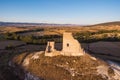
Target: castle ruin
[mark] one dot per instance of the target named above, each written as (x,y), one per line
(70,47)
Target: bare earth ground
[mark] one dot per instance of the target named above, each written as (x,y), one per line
(6,43)
(106,50)
(112,48)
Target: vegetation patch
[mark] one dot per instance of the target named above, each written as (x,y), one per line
(101,35)
(33,39)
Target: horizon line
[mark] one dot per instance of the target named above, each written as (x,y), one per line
(57,23)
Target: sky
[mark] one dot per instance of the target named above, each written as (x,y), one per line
(60,11)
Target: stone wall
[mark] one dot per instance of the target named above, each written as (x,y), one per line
(50,50)
(71,46)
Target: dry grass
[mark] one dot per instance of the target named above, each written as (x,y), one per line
(59,67)
(60,30)
(12,29)
(82,29)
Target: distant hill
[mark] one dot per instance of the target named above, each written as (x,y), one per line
(107,24)
(18,24)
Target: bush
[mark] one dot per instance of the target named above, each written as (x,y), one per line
(33,39)
(9,47)
(88,37)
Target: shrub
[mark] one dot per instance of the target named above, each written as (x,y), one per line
(9,47)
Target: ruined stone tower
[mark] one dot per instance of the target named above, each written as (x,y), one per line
(71,46)
(50,46)
(50,50)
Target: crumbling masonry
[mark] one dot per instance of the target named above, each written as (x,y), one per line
(71,47)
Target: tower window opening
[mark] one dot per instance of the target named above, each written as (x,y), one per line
(67,45)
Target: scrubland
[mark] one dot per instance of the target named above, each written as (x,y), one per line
(101,41)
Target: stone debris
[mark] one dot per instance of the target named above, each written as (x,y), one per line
(103,70)
(70,70)
(29,76)
(116,68)
(93,58)
(36,55)
(26,62)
